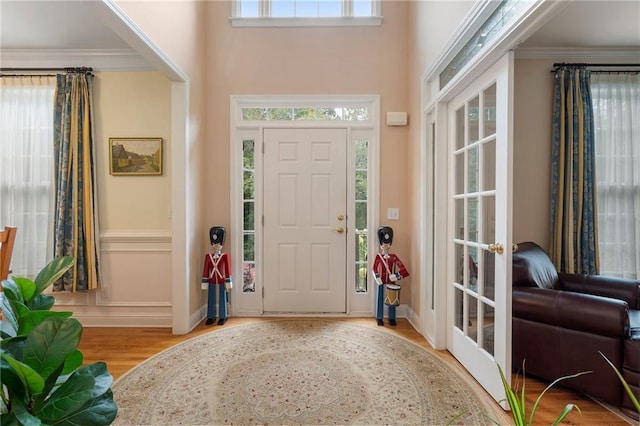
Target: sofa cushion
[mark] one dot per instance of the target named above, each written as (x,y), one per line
(533,268)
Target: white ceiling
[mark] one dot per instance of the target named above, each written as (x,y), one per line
(591,24)
(72,26)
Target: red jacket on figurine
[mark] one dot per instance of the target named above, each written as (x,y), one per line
(389,264)
(217,268)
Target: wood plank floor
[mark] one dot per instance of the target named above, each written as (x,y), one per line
(124,348)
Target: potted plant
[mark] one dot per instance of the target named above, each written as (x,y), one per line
(42,377)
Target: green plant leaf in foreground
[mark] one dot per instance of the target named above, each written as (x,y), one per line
(50,343)
(27,288)
(30,319)
(98,412)
(23,416)
(627,389)
(518,408)
(54,270)
(32,381)
(552,384)
(67,399)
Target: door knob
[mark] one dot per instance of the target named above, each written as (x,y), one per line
(339,229)
(496,248)
(340,217)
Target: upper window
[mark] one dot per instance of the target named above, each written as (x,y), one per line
(306,12)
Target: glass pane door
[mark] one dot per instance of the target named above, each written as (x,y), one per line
(479,269)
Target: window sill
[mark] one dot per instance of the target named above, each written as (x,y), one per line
(307,22)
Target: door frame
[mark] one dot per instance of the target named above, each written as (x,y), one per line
(434,99)
(367,127)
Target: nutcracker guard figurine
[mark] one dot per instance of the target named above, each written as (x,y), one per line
(216,275)
(388,269)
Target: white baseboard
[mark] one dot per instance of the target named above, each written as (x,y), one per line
(124,320)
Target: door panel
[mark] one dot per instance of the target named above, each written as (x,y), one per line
(480,196)
(304,241)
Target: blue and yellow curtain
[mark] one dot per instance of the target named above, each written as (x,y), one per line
(574,233)
(75,216)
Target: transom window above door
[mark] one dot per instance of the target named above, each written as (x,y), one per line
(276,13)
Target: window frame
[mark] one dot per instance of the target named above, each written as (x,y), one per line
(346,20)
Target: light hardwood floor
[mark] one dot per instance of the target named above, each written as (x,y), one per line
(124,348)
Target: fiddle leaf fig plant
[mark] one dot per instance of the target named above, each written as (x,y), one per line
(42,379)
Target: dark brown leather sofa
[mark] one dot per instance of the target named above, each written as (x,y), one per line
(561,321)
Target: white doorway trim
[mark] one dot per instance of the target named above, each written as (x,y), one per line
(366,126)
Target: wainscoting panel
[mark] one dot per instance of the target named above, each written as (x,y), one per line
(136,283)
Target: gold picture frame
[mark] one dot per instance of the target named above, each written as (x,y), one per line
(135,156)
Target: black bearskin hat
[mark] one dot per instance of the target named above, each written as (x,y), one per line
(217,234)
(385,235)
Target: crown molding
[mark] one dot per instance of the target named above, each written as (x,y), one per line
(98,59)
(572,52)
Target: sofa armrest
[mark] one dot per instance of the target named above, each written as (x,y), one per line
(582,312)
(600,285)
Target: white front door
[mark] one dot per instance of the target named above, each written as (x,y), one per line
(479,270)
(305,205)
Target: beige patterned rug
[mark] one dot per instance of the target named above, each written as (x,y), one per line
(297,371)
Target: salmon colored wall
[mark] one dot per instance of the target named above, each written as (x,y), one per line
(294,61)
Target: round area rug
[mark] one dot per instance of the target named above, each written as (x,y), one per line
(298,371)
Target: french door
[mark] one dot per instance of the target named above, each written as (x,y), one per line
(479,228)
(305,202)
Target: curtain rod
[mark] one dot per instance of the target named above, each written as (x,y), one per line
(558,65)
(86,70)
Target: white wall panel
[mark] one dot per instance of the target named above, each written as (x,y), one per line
(136,283)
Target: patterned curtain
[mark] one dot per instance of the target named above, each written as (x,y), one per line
(574,240)
(75,219)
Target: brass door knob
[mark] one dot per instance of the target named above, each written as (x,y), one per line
(496,248)
(339,230)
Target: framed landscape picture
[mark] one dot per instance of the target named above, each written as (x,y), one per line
(135,156)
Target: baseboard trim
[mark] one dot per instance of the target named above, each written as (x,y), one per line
(124,320)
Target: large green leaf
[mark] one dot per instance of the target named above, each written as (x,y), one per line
(97,412)
(67,399)
(72,362)
(9,419)
(50,343)
(27,288)
(6,330)
(32,381)
(8,313)
(23,415)
(15,387)
(54,270)
(42,302)
(11,290)
(103,379)
(50,383)
(30,319)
